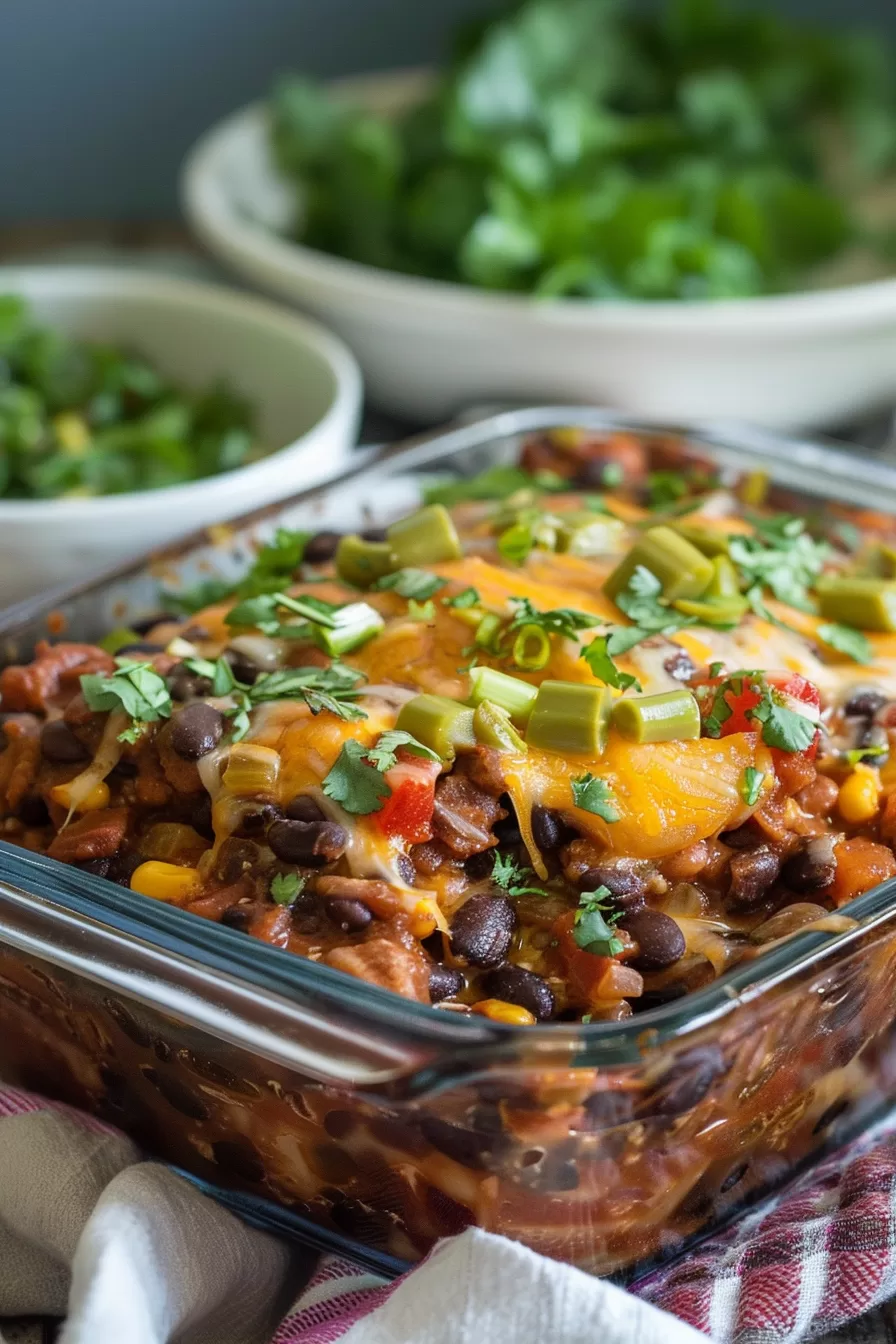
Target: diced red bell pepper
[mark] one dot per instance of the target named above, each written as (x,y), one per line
(407,812)
(802,697)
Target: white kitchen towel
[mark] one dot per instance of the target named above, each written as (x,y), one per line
(130,1253)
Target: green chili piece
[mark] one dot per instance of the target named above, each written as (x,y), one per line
(508,693)
(723,611)
(725,581)
(673,716)
(708,540)
(426,537)
(532,648)
(570,717)
(361,562)
(680,567)
(487,631)
(589,534)
(868,604)
(353,626)
(493,728)
(441,724)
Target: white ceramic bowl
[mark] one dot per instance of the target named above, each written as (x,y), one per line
(799,361)
(303,382)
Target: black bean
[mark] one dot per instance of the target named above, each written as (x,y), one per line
(479,866)
(147,623)
(470,1148)
(98,867)
(124,770)
(482,929)
(752,873)
(303,808)
(255,820)
(186,685)
(743,837)
(200,814)
(514,984)
(621,878)
(734,1177)
(349,915)
(321,547)
(134,1030)
(549,830)
(660,940)
(606,1110)
(177,1094)
(59,744)
(812,867)
(242,667)
(373,534)
(680,665)
(123,868)
(239,1158)
(686,1082)
(873,736)
(33,810)
(237,916)
(864,702)
(196,730)
(144,646)
(444,983)
(507,829)
(235,857)
(309,842)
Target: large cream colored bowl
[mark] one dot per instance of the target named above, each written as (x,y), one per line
(427,348)
(304,383)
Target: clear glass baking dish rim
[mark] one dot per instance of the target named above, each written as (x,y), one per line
(227,983)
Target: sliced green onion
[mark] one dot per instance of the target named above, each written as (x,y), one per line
(426,537)
(532,648)
(682,570)
(487,631)
(493,728)
(589,534)
(570,716)
(508,693)
(441,724)
(361,562)
(673,716)
(869,604)
(353,626)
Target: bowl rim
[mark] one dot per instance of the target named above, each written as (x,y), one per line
(217,220)
(102,282)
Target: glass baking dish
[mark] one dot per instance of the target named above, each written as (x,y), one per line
(364,1122)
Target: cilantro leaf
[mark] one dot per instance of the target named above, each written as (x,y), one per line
(383,756)
(846,639)
(512,877)
(286,888)
(133,687)
(411,583)
(354,783)
(190,600)
(599,656)
(665,487)
(276,564)
(593,927)
(498,482)
(782,727)
(640,601)
(781,557)
(563,621)
(751,785)
(516,543)
(469,597)
(331,688)
(595,795)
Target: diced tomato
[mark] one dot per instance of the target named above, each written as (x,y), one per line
(801,696)
(407,812)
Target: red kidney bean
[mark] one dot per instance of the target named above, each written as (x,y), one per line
(660,940)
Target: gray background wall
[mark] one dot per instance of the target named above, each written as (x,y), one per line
(99,99)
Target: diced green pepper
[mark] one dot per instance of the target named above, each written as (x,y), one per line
(493,728)
(361,562)
(352,626)
(508,693)
(709,540)
(570,717)
(868,604)
(441,724)
(680,567)
(673,716)
(427,537)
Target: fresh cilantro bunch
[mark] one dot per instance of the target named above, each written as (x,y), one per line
(136,688)
(598,149)
(595,921)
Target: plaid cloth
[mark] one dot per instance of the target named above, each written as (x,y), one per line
(128,1251)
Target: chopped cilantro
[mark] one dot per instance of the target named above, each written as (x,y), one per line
(595,795)
(720,710)
(716,669)
(751,785)
(600,652)
(782,557)
(513,877)
(383,756)
(354,783)
(593,927)
(411,583)
(782,727)
(564,621)
(494,483)
(191,600)
(133,687)
(846,639)
(469,597)
(286,888)
(665,487)
(640,600)
(276,564)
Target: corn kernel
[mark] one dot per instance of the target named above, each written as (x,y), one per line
(566,436)
(165,882)
(251,769)
(94,801)
(423,922)
(496,1010)
(72,433)
(859,796)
